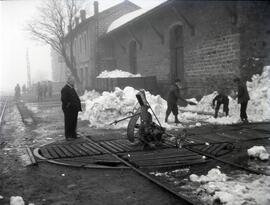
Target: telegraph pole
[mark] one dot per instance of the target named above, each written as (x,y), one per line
(28,70)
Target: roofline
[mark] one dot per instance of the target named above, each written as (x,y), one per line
(100,13)
(139,17)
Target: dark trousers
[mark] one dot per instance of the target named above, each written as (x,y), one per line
(70,123)
(243,113)
(225,108)
(172,107)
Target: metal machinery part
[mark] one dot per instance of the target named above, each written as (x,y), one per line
(142,127)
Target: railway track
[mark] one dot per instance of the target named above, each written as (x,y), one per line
(3,106)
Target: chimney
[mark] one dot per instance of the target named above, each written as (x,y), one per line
(96,8)
(82,15)
(77,21)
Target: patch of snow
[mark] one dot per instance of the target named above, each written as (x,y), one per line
(16,200)
(258,152)
(117,74)
(132,15)
(1,197)
(245,189)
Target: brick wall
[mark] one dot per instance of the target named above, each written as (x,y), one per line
(212,53)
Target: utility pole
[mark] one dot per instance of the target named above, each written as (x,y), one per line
(28,70)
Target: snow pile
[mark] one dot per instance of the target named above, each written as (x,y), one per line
(89,95)
(258,152)
(259,91)
(244,189)
(111,106)
(16,200)
(258,106)
(213,175)
(117,74)
(132,15)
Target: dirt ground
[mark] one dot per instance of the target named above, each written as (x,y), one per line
(48,184)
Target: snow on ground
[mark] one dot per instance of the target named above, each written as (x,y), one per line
(16,200)
(117,74)
(101,110)
(242,189)
(111,106)
(258,152)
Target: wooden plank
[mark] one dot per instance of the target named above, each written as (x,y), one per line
(64,150)
(216,151)
(45,153)
(168,163)
(73,152)
(77,149)
(31,156)
(97,147)
(87,146)
(85,149)
(159,156)
(213,147)
(108,147)
(122,145)
(115,147)
(174,165)
(52,152)
(58,151)
(171,158)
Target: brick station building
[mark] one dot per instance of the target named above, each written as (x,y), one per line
(204,43)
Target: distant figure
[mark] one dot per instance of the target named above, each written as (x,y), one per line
(17,91)
(39,91)
(221,99)
(24,89)
(71,105)
(49,85)
(243,98)
(173,96)
(44,89)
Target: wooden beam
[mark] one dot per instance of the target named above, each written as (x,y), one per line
(134,37)
(180,16)
(159,34)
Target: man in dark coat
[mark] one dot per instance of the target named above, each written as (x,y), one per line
(71,105)
(243,98)
(173,96)
(221,99)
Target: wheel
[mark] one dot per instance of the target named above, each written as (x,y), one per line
(134,126)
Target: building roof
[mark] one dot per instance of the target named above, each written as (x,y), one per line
(102,12)
(133,16)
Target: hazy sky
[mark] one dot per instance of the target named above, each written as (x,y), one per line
(14,41)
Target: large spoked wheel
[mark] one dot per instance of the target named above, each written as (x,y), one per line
(134,127)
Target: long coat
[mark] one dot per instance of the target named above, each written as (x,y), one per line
(71,105)
(70,99)
(243,95)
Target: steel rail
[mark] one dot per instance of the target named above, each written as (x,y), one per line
(226,161)
(184,199)
(3,111)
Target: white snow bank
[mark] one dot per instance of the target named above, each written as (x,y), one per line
(244,189)
(132,15)
(117,74)
(111,106)
(258,152)
(16,200)
(258,106)
(213,175)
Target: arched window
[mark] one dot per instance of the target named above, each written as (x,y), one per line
(176,53)
(133,57)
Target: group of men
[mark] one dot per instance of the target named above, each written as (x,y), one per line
(71,104)
(221,99)
(44,89)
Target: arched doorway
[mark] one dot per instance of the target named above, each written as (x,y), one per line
(176,53)
(133,57)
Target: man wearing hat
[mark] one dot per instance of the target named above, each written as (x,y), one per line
(71,105)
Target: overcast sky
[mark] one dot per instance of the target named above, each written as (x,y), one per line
(14,41)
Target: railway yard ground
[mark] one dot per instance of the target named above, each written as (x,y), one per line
(102,168)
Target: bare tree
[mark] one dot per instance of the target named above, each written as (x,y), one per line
(54,26)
